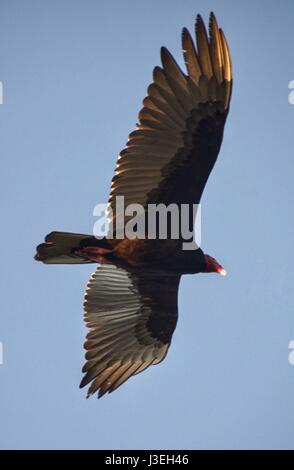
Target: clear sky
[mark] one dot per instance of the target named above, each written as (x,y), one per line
(74,75)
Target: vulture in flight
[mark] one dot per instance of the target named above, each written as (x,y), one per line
(131,299)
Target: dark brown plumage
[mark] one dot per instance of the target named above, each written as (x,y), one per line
(131,299)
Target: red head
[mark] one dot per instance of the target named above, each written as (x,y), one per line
(212,266)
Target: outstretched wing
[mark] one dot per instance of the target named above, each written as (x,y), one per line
(131,316)
(170,155)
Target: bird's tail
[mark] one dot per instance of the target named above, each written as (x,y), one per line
(69,248)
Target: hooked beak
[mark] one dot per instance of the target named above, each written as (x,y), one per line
(212,266)
(222,271)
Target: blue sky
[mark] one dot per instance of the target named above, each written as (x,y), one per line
(74,75)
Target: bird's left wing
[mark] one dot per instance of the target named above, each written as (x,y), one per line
(170,155)
(131,317)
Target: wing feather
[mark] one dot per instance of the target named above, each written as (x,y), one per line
(172,151)
(124,312)
(203,47)
(190,56)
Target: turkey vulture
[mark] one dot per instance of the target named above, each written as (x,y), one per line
(131,299)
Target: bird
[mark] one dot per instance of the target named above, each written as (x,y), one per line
(131,300)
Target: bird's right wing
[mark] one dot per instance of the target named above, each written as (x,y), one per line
(131,316)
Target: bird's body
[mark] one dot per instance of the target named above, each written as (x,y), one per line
(152,255)
(131,299)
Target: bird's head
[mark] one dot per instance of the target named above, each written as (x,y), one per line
(212,266)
